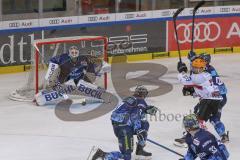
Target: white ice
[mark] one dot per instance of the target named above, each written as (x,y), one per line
(28,132)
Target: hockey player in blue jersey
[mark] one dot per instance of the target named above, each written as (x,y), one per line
(127,122)
(66,75)
(216,120)
(201,143)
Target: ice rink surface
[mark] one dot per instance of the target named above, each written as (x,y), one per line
(28,132)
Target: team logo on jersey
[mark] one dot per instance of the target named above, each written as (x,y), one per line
(75,73)
(196,142)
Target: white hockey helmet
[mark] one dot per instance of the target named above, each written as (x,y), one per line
(73,52)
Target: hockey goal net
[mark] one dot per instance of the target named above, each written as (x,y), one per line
(44,49)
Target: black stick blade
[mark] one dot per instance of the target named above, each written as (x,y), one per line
(177,13)
(200,4)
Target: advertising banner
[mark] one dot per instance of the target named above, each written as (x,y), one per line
(18,24)
(58,21)
(132,38)
(209,33)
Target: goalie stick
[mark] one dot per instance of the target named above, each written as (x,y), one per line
(176,33)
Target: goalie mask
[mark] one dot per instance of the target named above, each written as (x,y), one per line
(141,91)
(73,52)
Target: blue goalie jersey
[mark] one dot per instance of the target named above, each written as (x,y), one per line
(73,70)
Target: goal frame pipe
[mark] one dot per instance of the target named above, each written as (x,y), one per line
(105,59)
(37,53)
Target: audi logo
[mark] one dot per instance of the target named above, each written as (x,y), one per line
(129,16)
(92,19)
(226,10)
(54,21)
(14,24)
(203,32)
(166,13)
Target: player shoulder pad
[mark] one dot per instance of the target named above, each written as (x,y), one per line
(131,101)
(61,59)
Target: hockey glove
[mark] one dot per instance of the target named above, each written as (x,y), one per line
(152,110)
(181,67)
(188,91)
(141,136)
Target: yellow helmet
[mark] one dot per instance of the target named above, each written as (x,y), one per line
(199,63)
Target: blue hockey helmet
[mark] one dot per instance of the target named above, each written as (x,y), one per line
(190,122)
(206,57)
(141,91)
(191,55)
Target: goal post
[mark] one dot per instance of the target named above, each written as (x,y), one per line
(44,49)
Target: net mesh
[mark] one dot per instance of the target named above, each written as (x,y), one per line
(94,47)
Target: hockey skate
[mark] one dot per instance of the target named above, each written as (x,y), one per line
(141,154)
(96,154)
(225,137)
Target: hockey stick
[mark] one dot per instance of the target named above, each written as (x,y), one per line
(200,4)
(164,147)
(175,29)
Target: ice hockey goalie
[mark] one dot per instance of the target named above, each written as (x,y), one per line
(72,73)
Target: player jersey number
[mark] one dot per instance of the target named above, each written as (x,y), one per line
(218,81)
(187,78)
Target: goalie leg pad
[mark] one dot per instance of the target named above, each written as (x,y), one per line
(46,97)
(89,90)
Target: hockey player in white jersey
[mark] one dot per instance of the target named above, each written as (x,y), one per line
(66,75)
(200,84)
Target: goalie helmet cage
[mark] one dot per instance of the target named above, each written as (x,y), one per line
(44,49)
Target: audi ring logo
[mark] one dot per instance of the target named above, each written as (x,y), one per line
(14,24)
(54,21)
(204,32)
